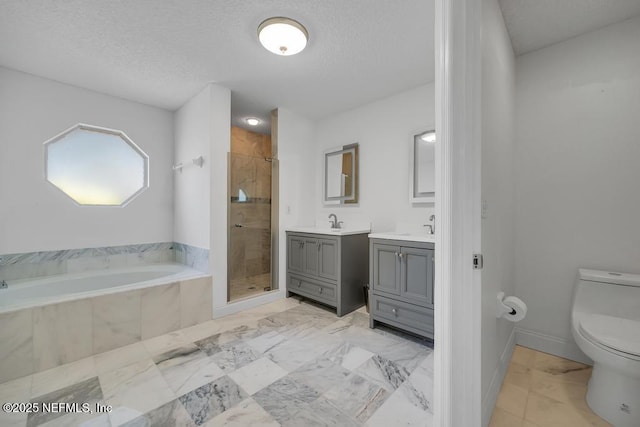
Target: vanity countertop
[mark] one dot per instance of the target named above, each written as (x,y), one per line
(330,231)
(409,237)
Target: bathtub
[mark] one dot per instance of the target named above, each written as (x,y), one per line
(67,287)
(50,321)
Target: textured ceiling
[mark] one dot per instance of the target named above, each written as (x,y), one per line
(534,24)
(162,52)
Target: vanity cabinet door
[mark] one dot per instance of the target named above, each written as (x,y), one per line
(311,256)
(416,275)
(328,263)
(295,253)
(386,268)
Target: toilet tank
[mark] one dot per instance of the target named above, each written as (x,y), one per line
(609,293)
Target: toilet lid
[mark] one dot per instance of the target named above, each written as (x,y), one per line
(614,332)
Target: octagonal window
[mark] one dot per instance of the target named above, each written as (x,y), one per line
(96,166)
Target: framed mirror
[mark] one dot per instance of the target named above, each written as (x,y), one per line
(341,175)
(422,169)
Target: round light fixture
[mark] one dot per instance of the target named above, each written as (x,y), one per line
(283,36)
(428,137)
(252,121)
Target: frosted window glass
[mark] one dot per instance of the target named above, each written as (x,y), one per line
(96,166)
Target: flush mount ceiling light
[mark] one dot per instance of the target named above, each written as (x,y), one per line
(252,121)
(283,36)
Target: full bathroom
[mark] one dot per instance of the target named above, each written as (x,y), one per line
(197,228)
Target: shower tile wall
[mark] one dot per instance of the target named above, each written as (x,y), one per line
(250,207)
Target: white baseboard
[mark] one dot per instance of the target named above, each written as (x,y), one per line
(237,306)
(553,345)
(489,400)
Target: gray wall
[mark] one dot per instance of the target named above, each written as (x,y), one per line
(578,172)
(498,74)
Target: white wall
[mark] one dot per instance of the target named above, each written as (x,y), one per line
(296,163)
(578,172)
(220,122)
(383,129)
(203,128)
(192,186)
(35,216)
(498,241)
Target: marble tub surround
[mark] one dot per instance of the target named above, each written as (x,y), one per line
(39,338)
(192,256)
(47,263)
(175,379)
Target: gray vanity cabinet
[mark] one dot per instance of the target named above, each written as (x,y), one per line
(328,269)
(401,289)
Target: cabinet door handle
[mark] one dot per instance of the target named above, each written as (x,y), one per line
(320,290)
(397,254)
(394,311)
(318,245)
(400,254)
(302,244)
(299,283)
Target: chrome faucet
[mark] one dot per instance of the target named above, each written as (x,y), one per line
(432,227)
(4,285)
(335,224)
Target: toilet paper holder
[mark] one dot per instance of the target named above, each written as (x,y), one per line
(503,308)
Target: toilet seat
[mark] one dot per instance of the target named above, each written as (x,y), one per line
(616,333)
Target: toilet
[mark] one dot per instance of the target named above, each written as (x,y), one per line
(605,322)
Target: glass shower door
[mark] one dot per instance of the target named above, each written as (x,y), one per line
(249,226)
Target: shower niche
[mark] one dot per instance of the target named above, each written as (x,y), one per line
(250,229)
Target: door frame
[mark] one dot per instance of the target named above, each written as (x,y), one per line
(457,293)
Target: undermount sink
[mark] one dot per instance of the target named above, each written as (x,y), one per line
(403,235)
(327,230)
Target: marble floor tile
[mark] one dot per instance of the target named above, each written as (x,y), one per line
(266,342)
(348,356)
(214,344)
(284,398)
(212,399)
(244,414)
(134,390)
(290,355)
(396,411)
(203,330)
(120,357)
(385,373)
(63,376)
(257,375)
(418,388)
(320,413)
(320,374)
(166,342)
(235,355)
(15,391)
(85,392)
(357,397)
(171,414)
(290,364)
(187,368)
